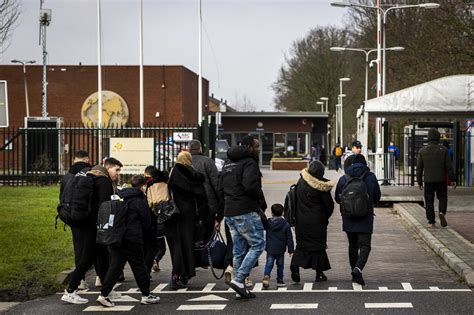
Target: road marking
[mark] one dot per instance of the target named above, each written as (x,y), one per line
(125,298)
(356,286)
(434,288)
(117,308)
(209,287)
(294,306)
(282,289)
(388,305)
(159,287)
(132,291)
(332,289)
(182,290)
(407,286)
(383,288)
(257,287)
(202,307)
(208,298)
(308,286)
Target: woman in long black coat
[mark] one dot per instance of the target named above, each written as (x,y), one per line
(313,209)
(187,186)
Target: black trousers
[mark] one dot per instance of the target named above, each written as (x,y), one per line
(133,253)
(83,239)
(161,249)
(102,261)
(441,190)
(359,249)
(154,250)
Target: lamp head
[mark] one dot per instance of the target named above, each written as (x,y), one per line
(340,4)
(345,79)
(429,5)
(337,48)
(397,48)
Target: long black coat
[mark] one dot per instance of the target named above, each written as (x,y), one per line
(313,210)
(187,186)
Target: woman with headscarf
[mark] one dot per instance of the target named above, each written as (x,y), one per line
(187,188)
(314,207)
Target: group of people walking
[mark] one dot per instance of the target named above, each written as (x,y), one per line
(205,199)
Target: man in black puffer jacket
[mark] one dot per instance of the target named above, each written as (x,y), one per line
(435,164)
(240,191)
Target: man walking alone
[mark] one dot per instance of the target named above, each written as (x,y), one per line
(435,164)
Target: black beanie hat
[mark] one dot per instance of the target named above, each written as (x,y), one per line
(316,169)
(359,158)
(433,134)
(348,161)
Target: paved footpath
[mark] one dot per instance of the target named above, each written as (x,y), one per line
(403,275)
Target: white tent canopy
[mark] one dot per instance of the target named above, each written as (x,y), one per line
(448,94)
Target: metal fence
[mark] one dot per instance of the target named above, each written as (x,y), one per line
(400,168)
(43,155)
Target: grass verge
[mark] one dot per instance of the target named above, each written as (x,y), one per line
(32,251)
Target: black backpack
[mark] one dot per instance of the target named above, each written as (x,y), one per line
(112,222)
(290,205)
(74,208)
(355,197)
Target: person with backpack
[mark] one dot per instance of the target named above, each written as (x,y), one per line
(80,164)
(314,207)
(278,239)
(356,193)
(88,192)
(129,249)
(433,168)
(156,192)
(337,153)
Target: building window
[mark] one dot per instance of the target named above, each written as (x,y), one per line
(279,147)
(3,104)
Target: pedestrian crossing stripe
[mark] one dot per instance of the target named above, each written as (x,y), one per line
(388,305)
(306,287)
(116,308)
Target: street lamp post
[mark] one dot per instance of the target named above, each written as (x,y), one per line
(322,105)
(367,52)
(326,99)
(24,63)
(341,96)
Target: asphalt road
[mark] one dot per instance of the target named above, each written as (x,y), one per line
(403,276)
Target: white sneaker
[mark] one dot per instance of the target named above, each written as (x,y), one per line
(114,295)
(83,285)
(98,283)
(105,301)
(150,299)
(73,298)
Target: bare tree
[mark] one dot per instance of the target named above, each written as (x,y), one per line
(9,14)
(244,104)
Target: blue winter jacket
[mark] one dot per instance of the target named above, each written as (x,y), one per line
(279,237)
(364,224)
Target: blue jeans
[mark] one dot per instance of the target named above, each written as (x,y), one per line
(248,242)
(280,261)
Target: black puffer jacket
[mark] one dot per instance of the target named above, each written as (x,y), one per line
(313,210)
(138,215)
(208,169)
(75,168)
(240,184)
(434,163)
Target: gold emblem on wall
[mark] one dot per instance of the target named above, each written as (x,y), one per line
(114,110)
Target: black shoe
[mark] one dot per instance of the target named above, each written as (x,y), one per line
(295,274)
(442,220)
(320,277)
(357,276)
(176,284)
(243,292)
(184,279)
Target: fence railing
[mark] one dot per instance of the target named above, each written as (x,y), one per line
(43,155)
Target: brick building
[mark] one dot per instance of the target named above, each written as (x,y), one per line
(170,92)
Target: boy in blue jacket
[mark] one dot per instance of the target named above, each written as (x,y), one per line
(279,237)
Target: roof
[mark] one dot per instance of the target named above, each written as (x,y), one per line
(277,114)
(452,94)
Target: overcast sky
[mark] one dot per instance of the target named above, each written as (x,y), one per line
(244,42)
